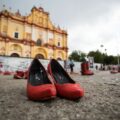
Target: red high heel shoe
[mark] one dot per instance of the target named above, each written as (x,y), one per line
(65,86)
(19,74)
(39,86)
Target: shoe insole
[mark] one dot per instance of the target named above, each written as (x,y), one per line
(38,77)
(61,78)
(59,73)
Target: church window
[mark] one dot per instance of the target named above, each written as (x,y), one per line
(39,42)
(58,44)
(16,35)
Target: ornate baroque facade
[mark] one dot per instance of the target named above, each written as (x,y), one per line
(31,36)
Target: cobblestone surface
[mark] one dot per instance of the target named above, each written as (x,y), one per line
(101,100)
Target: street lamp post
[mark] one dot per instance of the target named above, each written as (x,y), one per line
(102,54)
(118,60)
(106,51)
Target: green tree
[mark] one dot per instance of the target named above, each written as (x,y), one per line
(98,57)
(82,56)
(77,56)
(103,58)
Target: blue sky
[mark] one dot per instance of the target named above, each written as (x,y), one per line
(89,23)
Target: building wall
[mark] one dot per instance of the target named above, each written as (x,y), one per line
(29,29)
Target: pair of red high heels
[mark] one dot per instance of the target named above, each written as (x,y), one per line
(43,86)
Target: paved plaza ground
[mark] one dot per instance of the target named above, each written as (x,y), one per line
(101,100)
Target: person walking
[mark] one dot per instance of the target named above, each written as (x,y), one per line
(71,64)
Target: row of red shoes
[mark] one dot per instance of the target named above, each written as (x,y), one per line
(43,85)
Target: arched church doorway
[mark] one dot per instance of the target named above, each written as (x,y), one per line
(59,58)
(39,56)
(14,55)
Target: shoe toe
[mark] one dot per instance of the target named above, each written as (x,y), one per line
(76,94)
(49,93)
(70,91)
(42,92)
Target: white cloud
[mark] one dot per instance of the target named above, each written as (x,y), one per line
(90,23)
(105,30)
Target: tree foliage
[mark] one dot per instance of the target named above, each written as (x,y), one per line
(98,58)
(97,55)
(103,58)
(77,56)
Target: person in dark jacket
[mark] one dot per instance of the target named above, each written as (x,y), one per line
(71,64)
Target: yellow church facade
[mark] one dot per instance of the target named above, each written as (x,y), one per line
(31,36)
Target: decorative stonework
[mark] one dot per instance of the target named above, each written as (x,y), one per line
(37,25)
